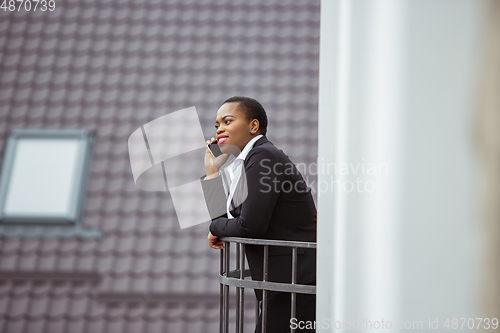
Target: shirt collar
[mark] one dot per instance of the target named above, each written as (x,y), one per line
(247,148)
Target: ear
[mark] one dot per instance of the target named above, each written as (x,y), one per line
(254,126)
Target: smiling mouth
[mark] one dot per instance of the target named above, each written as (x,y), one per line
(221,140)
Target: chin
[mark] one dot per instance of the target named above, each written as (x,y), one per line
(223,148)
(228,148)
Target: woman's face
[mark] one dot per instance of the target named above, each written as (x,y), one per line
(233,128)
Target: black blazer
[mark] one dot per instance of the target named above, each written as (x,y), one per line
(279,206)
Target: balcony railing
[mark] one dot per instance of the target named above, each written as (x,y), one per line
(236,278)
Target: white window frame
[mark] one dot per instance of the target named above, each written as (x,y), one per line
(85,139)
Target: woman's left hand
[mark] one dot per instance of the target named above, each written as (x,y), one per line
(214,242)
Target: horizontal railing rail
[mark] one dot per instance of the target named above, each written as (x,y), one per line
(236,278)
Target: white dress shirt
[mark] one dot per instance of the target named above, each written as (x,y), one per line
(234,172)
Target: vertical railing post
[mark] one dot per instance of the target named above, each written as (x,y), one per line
(226,287)
(221,291)
(238,290)
(256,313)
(294,281)
(241,298)
(264,291)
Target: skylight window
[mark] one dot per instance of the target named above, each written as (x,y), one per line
(44,175)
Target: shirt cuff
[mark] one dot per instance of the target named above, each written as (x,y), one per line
(206,176)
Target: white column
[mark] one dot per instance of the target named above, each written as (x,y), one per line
(395,99)
(332,146)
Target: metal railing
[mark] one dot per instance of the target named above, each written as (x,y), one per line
(236,278)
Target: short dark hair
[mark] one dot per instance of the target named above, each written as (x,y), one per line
(252,110)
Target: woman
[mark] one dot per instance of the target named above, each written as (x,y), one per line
(278,205)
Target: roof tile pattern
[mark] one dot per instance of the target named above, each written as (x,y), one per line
(110,67)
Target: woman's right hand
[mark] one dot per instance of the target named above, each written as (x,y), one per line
(211,161)
(214,242)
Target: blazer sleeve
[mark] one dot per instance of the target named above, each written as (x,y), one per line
(264,180)
(215,197)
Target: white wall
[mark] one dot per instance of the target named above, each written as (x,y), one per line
(397,80)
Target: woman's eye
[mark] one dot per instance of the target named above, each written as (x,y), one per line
(225,121)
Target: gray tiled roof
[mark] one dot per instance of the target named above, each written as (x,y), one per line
(110,67)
